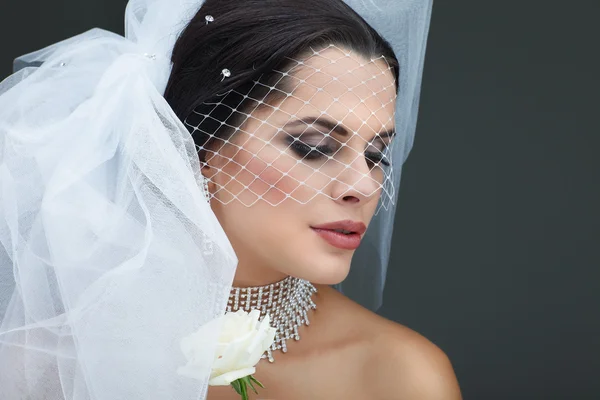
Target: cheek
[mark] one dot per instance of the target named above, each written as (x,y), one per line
(272,176)
(272,184)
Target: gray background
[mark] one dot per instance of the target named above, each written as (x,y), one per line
(496,256)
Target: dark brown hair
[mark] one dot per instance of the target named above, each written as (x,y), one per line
(252,38)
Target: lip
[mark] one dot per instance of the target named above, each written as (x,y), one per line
(340,240)
(347,225)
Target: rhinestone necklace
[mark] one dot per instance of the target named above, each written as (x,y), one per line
(287,302)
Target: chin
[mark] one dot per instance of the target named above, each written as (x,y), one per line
(324,270)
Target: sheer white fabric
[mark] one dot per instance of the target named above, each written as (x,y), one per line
(110,254)
(405,24)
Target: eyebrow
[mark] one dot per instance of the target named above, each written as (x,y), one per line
(334,126)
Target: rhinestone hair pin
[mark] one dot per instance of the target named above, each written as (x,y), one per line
(209,19)
(226,74)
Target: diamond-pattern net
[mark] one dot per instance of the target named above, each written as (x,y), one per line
(324,126)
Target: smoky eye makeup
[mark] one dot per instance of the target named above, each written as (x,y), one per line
(313,141)
(310,148)
(377,157)
(321,152)
(378,149)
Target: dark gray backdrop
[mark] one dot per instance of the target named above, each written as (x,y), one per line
(497,252)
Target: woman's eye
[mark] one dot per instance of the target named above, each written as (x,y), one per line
(310,152)
(377,158)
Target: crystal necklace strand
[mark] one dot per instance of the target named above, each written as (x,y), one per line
(287,302)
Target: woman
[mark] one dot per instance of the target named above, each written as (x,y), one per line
(115,253)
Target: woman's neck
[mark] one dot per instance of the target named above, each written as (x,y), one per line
(251,275)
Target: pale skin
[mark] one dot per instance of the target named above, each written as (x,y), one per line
(347,352)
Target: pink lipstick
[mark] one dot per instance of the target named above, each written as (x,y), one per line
(342,234)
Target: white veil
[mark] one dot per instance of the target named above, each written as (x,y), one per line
(109,254)
(405,25)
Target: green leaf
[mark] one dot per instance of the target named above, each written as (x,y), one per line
(249,381)
(237,386)
(244,388)
(253,379)
(241,386)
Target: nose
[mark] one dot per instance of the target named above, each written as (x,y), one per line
(356,185)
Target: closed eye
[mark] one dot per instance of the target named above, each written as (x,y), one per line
(321,152)
(377,158)
(308,152)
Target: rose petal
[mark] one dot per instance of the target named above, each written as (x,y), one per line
(228,377)
(254,317)
(242,340)
(257,348)
(194,346)
(269,338)
(234,355)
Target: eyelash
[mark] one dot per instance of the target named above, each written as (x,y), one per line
(378,158)
(317,152)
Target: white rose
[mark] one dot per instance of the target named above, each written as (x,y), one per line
(242,342)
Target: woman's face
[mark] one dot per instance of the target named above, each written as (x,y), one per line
(308,159)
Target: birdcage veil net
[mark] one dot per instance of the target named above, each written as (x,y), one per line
(327,119)
(110,254)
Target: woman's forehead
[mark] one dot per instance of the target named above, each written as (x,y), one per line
(345,87)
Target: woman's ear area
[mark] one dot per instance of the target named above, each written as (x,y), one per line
(207,170)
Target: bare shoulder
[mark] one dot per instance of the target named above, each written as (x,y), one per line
(406,365)
(396,362)
(399,363)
